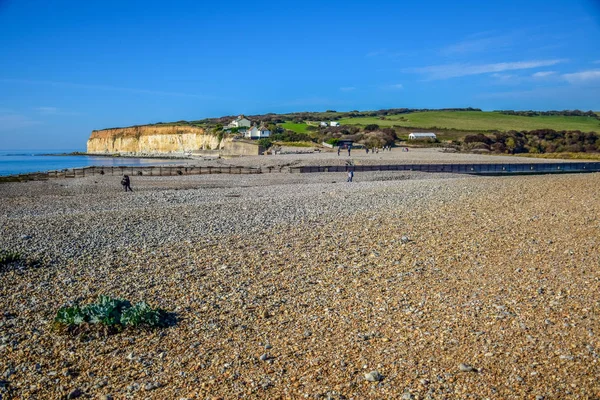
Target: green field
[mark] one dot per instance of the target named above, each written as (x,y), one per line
(479,121)
(299,128)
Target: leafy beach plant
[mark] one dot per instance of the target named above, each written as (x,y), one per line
(111,312)
(141,314)
(9,256)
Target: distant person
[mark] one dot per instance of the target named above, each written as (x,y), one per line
(126,182)
(339,149)
(349,148)
(350,175)
(367,150)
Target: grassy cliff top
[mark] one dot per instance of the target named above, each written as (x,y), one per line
(464,119)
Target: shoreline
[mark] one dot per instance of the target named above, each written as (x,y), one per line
(119,155)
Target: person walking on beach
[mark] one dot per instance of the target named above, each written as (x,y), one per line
(339,149)
(349,148)
(350,175)
(126,182)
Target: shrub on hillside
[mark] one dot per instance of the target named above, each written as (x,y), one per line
(265,142)
(291,136)
(371,127)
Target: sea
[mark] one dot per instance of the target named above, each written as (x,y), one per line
(14,162)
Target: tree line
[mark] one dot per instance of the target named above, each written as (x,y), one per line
(565,113)
(536,141)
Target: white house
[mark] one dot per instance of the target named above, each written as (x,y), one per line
(323,123)
(257,133)
(422,135)
(240,122)
(334,123)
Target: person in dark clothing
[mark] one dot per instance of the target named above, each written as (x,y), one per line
(126,182)
(339,149)
(350,175)
(349,148)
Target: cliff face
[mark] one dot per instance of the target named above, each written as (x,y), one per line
(151,139)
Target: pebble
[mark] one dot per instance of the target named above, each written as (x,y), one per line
(373,376)
(151,385)
(75,394)
(466,368)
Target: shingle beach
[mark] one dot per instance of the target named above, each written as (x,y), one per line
(400,285)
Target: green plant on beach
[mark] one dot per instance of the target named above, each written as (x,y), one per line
(106,312)
(141,314)
(70,316)
(111,312)
(9,256)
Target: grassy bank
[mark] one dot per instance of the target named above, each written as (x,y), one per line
(479,121)
(295,127)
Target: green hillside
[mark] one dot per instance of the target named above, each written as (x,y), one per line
(296,127)
(479,121)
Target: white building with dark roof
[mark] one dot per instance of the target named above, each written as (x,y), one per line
(240,122)
(257,133)
(422,135)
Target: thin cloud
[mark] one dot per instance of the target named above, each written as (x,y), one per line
(46,110)
(509,79)
(476,45)
(53,111)
(347,88)
(438,72)
(10,121)
(384,53)
(596,62)
(101,87)
(396,86)
(503,76)
(555,97)
(375,53)
(543,74)
(583,76)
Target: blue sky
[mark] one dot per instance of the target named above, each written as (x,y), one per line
(67,67)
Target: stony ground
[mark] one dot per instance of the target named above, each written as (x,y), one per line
(328,157)
(303,286)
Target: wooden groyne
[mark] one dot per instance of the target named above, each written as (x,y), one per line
(169,170)
(474,169)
